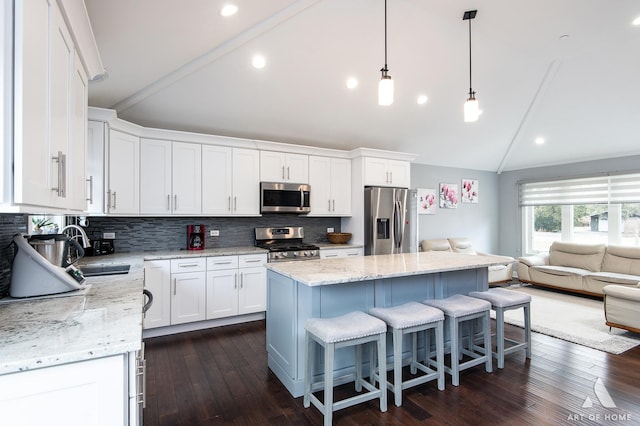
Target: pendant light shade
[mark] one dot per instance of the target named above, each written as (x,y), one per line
(385,87)
(471,108)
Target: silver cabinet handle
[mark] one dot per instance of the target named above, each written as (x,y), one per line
(329,205)
(61,160)
(168,202)
(223,263)
(114,200)
(90,199)
(229,202)
(282,172)
(175,286)
(331,255)
(387,179)
(188,265)
(334,205)
(235,203)
(390,177)
(253,260)
(235,280)
(175,202)
(288,173)
(108,200)
(241,279)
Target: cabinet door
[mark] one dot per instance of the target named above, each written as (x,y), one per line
(246,182)
(155,176)
(375,172)
(157,279)
(124,176)
(187,178)
(188,297)
(222,293)
(320,181)
(340,187)
(400,173)
(297,168)
(78,190)
(272,166)
(252,294)
(217,176)
(95,166)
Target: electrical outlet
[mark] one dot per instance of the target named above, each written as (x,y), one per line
(109,235)
(330,230)
(214,233)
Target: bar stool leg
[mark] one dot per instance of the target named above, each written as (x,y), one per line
(500,335)
(455,351)
(527,328)
(414,353)
(308,378)
(439,353)
(487,342)
(397,366)
(382,366)
(358,368)
(328,383)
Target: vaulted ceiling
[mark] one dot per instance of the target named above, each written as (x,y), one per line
(564,70)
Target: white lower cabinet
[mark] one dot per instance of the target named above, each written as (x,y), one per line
(197,288)
(94,392)
(188,290)
(327,253)
(236,285)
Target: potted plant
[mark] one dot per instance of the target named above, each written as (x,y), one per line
(42,225)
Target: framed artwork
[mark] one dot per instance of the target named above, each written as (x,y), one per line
(448,196)
(427,201)
(469,191)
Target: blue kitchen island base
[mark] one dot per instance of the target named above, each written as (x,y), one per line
(291,301)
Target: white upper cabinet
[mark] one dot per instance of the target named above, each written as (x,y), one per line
(96,139)
(330,180)
(170,177)
(383,172)
(230,181)
(49,110)
(284,167)
(123,188)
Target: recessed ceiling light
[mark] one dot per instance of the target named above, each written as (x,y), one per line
(539,140)
(636,21)
(352,83)
(258,61)
(422,99)
(228,10)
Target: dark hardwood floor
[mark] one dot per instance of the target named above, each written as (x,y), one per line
(220,376)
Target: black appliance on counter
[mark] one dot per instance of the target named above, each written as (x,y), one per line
(100,247)
(195,237)
(285,244)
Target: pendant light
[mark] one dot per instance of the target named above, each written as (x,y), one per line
(385,87)
(471,109)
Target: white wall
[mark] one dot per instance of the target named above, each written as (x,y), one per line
(510,235)
(478,222)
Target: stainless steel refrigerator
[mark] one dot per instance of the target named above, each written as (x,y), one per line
(390,220)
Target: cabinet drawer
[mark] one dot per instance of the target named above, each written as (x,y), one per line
(222,262)
(251,260)
(193,264)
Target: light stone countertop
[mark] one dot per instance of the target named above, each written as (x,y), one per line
(362,268)
(102,320)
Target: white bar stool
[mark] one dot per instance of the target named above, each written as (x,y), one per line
(413,318)
(457,309)
(352,329)
(503,300)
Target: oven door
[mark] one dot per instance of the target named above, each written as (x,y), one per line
(284,197)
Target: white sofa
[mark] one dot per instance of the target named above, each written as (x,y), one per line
(622,307)
(497,274)
(582,268)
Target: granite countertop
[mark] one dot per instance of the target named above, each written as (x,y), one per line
(362,268)
(101,320)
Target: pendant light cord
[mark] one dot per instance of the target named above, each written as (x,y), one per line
(470,86)
(385,37)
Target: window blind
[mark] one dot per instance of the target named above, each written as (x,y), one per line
(624,188)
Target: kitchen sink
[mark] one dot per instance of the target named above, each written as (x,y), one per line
(99,270)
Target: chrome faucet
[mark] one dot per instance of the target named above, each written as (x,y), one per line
(85,239)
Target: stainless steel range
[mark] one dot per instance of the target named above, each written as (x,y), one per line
(285,244)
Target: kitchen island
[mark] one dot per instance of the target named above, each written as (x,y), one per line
(297,291)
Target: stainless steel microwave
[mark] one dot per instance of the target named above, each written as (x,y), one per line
(284,197)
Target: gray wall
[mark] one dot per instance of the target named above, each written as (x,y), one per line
(478,222)
(510,233)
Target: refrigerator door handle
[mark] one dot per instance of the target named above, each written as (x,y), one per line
(397,224)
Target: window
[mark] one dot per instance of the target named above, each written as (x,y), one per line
(592,210)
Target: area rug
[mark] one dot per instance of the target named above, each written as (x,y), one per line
(573,318)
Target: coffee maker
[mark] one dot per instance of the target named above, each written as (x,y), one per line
(195,237)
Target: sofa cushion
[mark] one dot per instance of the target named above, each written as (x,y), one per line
(461,245)
(621,259)
(614,278)
(584,256)
(558,276)
(435,245)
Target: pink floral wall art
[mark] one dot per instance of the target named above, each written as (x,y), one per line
(448,195)
(469,191)
(427,201)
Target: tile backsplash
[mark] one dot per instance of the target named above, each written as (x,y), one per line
(170,233)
